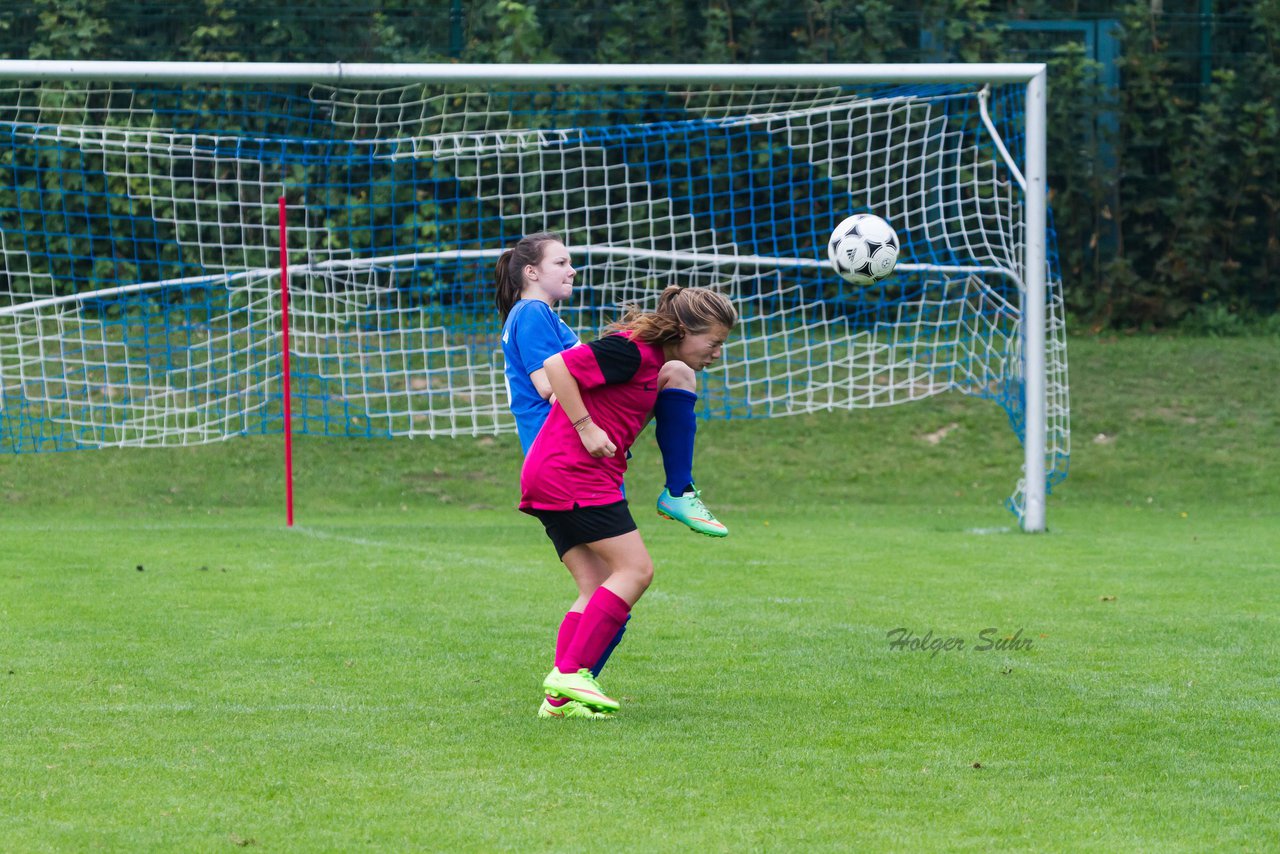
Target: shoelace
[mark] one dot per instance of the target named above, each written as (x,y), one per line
(591,680)
(700,507)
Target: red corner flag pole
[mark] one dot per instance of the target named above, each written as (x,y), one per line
(287,386)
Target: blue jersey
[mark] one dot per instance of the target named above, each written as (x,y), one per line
(532,334)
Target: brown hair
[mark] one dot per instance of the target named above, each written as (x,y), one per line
(508,273)
(680,311)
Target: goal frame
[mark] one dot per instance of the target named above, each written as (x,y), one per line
(1032,76)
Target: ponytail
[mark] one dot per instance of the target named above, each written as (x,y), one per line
(508,273)
(507,287)
(680,311)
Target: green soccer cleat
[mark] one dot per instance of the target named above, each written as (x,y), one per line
(571,709)
(580,686)
(689,510)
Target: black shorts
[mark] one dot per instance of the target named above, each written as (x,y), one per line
(569,528)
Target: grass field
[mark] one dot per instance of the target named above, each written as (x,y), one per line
(178,671)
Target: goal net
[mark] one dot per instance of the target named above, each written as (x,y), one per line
(140,229)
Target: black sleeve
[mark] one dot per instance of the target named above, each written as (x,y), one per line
(617,356)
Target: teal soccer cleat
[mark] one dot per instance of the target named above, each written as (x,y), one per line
(689,510)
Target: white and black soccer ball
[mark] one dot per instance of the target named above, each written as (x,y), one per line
(863,249)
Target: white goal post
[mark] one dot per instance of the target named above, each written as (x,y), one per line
(139,251)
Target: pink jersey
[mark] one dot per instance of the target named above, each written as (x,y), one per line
(619,382)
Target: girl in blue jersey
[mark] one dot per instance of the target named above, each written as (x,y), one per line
(531,278)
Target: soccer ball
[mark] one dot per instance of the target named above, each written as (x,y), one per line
(863,249)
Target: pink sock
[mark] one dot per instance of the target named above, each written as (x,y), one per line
(568,627)
(604,615)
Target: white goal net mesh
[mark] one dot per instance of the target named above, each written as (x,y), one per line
(139,236)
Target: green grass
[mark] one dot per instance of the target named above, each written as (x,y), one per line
(369,679)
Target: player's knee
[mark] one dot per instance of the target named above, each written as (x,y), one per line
(640,574)
(676,374)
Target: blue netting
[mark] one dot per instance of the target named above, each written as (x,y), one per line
(116,187)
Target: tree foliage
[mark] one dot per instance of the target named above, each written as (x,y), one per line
(1181,224)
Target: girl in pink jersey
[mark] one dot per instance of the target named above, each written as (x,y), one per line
(530,280)
(572,476)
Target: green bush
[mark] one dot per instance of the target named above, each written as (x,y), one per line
(1182,229)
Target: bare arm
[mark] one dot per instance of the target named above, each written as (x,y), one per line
(566,390)
(540,383)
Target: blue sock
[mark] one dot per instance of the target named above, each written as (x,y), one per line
(675,425)
(613,644)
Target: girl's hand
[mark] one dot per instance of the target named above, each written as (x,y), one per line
(596,441)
